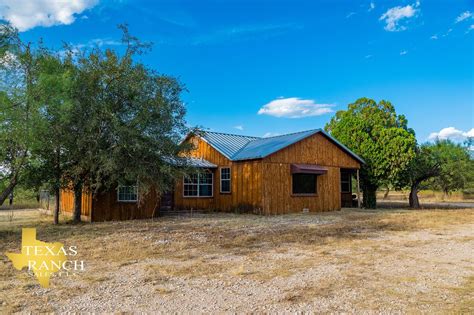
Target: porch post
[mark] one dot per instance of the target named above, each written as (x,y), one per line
(358,189)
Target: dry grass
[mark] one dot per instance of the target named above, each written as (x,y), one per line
(427,196)
(267,250)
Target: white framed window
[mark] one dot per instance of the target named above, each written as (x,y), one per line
(127,193)
(198,185)
(225,180)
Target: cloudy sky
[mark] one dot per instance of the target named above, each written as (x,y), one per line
(272,67)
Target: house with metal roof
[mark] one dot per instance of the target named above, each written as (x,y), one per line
(305,171)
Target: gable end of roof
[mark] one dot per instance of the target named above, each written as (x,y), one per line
(241,148)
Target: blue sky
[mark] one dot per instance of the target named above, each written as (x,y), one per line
(272,67)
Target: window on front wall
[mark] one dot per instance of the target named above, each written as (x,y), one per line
(198,185)
(304,184)
(127,193)
(225,180)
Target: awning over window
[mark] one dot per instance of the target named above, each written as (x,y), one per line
(308,169)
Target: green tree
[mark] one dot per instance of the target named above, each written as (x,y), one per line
(90,118)
(381,137)
(18,72)
(51,154)
(456,166)
(426,165)
(127,121)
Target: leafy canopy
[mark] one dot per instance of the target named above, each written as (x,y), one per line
(377,134)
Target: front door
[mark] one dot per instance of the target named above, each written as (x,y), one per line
(346,188)
(167,201)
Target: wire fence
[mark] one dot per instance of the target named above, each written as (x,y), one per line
(47,200)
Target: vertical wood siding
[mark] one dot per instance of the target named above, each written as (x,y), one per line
(246,179)
(107,208)
(67,203)
(266,183)
(316,149)
(259,184)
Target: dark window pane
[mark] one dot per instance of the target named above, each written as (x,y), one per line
(205,190)
(346,181)
(225,186)
(345,177)
(191,179)
(304,183)
(345,187)
(205,178)
(190,190)
(225,173)
(127,193)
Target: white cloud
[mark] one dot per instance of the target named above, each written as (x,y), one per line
(447,32)
(27,14)
(371,6)
(434,37)
(394,15)
(239,127)
(350,14)
(451,133)
(470,28)
(403,52)
(368,56)
(463,16)
(103,42)
(294,107)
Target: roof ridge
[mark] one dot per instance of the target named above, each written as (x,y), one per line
(293,133)
(231,134)
(242,148)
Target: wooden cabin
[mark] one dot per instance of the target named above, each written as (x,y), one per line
(307,171)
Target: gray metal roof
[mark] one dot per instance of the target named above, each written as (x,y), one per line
(190,161)
(238,148)
(227,144)
(263,147)
(197,162)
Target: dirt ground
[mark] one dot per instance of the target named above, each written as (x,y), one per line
(348,261)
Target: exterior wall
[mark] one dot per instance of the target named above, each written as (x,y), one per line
(106,207)
(277,185)
(66,202)
(258,184)
(246,183)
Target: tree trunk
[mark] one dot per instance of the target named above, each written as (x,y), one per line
(8,190)
(57,188)
(14,180)
(56,206)
(76,218)
(413,198)
(445,194)
(370,197)
(385,196)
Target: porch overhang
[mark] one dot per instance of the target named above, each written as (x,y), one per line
(191,162)
(308,169)
(200,163)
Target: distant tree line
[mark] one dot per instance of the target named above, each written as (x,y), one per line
(394,158)
(86,118)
